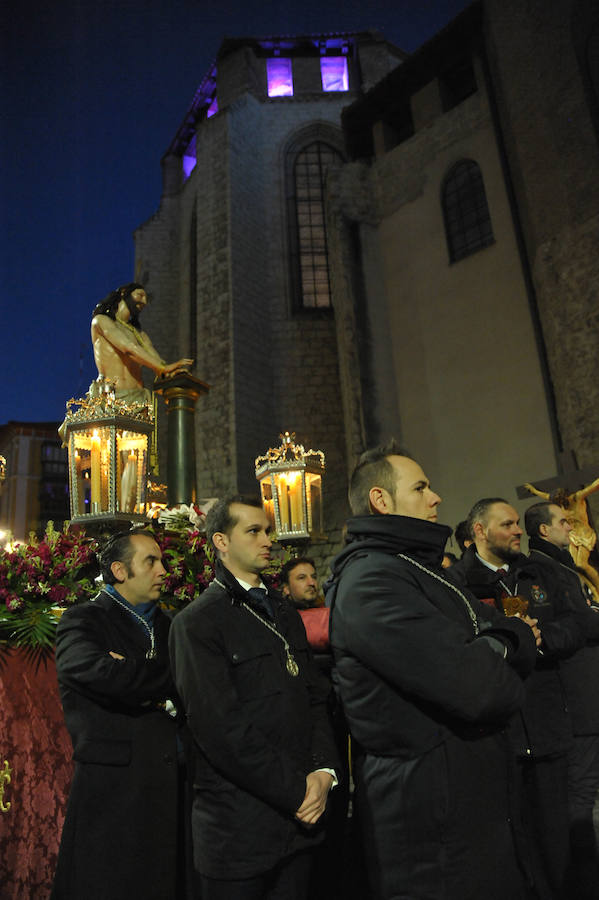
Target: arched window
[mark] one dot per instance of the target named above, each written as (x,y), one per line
(465,210)
(309,254)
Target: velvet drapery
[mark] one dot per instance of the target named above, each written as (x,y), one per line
(34,740)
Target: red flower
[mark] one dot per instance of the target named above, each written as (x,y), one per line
(58,594)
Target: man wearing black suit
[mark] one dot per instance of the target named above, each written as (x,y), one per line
(494,569)
(120,833)
(548,532)
(256,708)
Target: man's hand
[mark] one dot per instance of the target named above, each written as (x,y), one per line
(533,625)
(180,364)
(115,655)
(318,785)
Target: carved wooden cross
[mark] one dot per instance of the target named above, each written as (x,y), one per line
(571,478)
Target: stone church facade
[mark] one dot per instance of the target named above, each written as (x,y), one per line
(456,306)
(464,243)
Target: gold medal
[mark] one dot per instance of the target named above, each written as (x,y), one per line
(514,605)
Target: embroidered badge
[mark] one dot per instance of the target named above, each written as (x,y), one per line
(538,595)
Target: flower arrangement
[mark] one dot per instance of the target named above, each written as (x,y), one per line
(40,579)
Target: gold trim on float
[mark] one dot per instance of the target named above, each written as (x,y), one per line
(5,778)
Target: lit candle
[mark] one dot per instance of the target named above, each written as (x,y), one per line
(295,501)
(283,504)
(95,466)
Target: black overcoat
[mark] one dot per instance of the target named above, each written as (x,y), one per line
(580,672)
(547,728)
(120,833)
(257,730)
(426,698)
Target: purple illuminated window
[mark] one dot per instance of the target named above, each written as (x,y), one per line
(280,78)
(189,159)
(212,109)
(333,71)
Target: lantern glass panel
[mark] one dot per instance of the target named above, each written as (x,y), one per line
(91,471)
(314,502)
(268,502)
(289,488)
(131,476)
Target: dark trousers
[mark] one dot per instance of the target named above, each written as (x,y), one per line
(287,881)
(545,814)
(583,784)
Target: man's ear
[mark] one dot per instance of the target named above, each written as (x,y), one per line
(543,529)
(478,530)
(119,570)
(285,590)
(220,540)
(380,501)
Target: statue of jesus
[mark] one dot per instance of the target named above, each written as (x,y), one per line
(121,348)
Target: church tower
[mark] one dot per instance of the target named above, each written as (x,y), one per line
(235,260)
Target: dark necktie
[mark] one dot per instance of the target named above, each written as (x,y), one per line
(501,574)
(259,598)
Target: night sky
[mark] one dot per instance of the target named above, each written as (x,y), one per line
(92,93)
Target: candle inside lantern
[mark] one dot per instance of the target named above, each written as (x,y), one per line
(282,488)
(295,501)
(95,471)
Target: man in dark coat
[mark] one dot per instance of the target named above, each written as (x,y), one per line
(428,678)
(120,833)
(548,532)
(256,707)
(494,569)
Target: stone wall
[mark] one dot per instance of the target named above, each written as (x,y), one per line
(424,361)
(553,159)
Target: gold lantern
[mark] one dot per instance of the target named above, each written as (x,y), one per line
(108,444)
(291,486)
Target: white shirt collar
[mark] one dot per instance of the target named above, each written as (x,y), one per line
(247,586)
(490,565)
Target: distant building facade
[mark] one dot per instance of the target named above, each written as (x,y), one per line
(35,488)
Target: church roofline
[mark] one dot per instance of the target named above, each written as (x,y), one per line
(293,45)
(423,65)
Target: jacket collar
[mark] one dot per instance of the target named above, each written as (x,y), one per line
(477,572)
(234,589)
(395,534)
(560,556)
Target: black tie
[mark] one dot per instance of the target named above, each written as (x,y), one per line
(261,600)
(501,574)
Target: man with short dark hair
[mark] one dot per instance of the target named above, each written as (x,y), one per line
(256,710)
(428,678)
(462,535)
(120,836)
(494,569)
(548,532)
(300,582)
